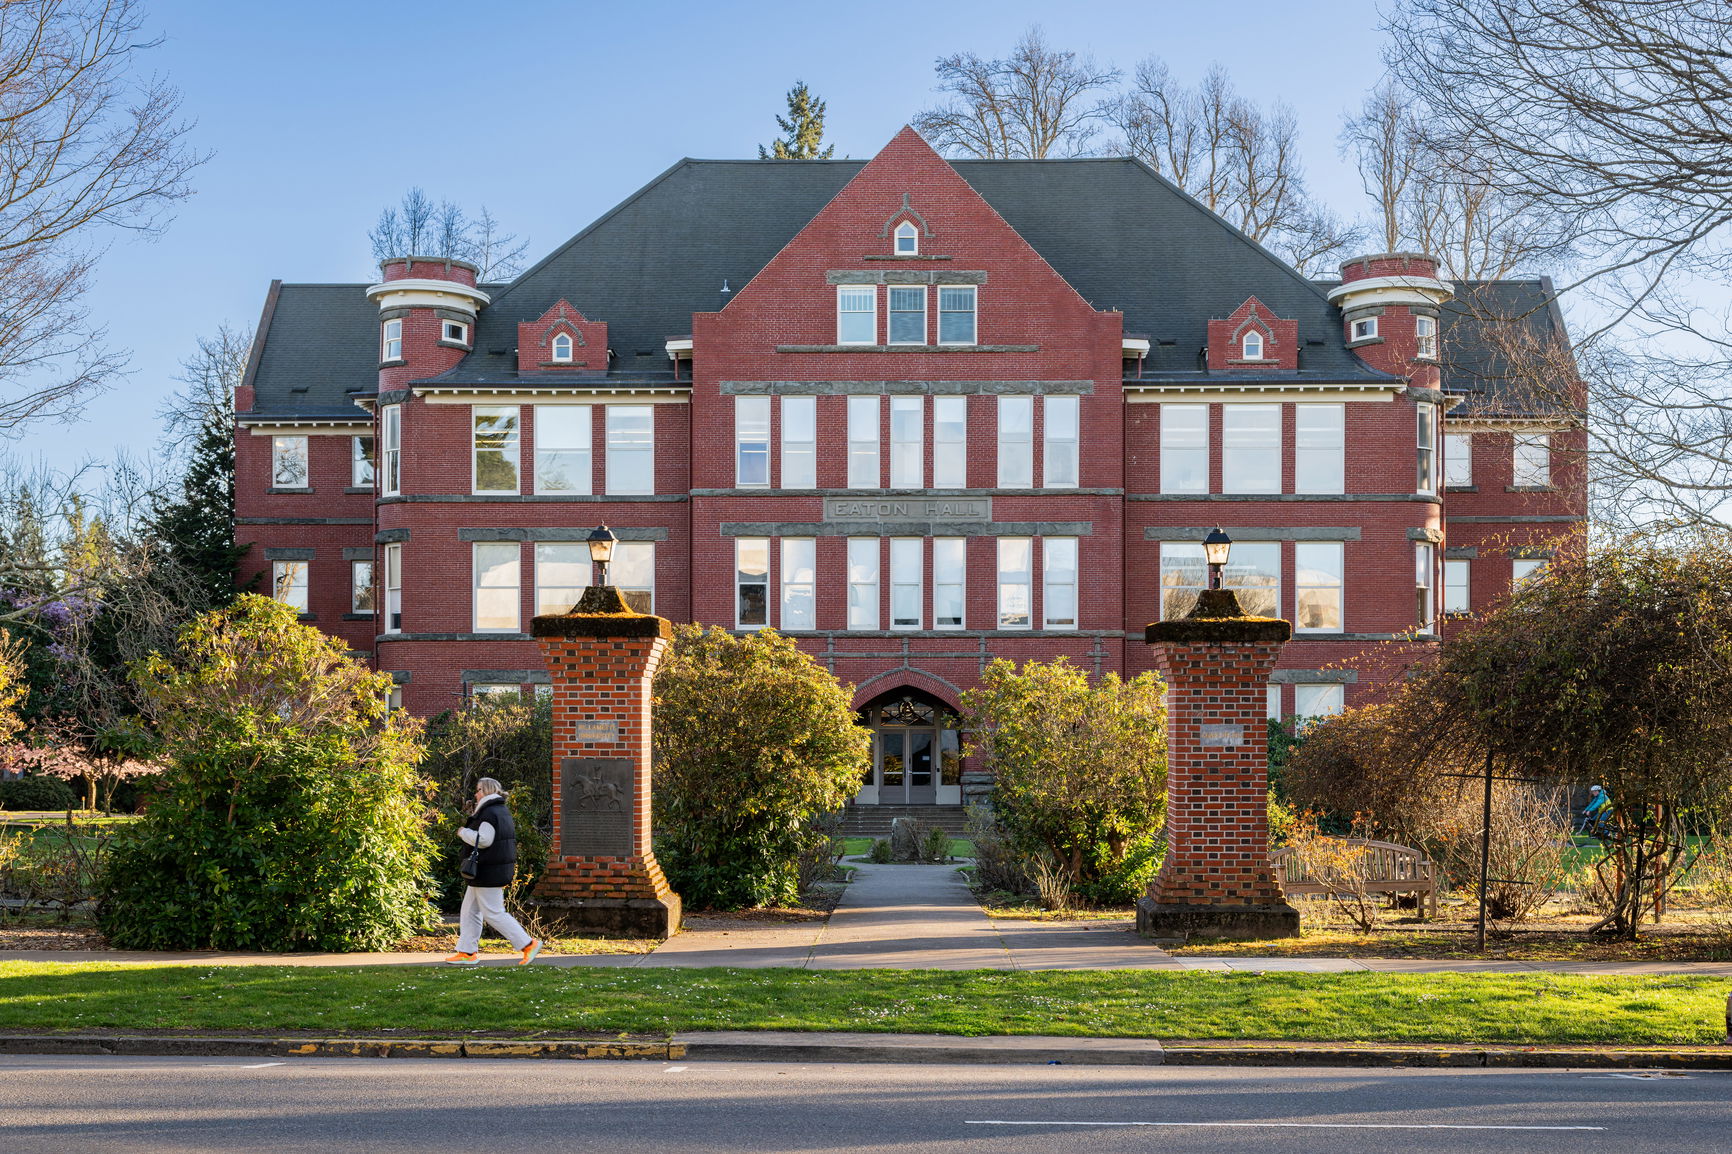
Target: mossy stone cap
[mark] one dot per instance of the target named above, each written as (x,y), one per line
(601,613)
(1218,619)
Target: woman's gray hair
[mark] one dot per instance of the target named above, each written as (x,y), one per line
(488,785)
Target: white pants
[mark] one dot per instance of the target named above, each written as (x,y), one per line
(486,904)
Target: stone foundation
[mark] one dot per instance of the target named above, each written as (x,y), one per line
(1219,923)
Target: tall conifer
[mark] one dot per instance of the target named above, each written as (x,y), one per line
(802,129)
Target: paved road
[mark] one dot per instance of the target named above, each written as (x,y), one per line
(108,1104)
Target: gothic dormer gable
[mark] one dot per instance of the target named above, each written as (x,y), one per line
(1253,338)
(561,340)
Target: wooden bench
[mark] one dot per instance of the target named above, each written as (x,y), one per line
(1387,869)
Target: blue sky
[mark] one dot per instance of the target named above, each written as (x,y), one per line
(319,114)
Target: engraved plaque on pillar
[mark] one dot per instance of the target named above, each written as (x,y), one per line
(1223,735)
(595,806)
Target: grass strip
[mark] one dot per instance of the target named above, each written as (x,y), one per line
(1463,1008)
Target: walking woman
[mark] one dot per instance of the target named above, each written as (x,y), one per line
(491,830)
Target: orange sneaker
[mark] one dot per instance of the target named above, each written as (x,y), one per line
(531,951)
(461,959)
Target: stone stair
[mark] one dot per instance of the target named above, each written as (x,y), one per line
(874,820)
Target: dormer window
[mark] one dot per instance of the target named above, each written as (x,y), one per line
(454,332)
(562,348)
(391,341)
(1252,346)
(1363,330)
(907,239)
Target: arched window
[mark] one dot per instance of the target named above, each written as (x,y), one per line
(907,239)
(1253,345)
(562,347)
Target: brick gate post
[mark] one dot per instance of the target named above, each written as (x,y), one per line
(1215,881)
(601,870)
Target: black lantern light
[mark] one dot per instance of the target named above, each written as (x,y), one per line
(601,543)
(1216,546)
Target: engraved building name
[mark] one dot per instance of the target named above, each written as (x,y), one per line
(1223,735)
(909,509)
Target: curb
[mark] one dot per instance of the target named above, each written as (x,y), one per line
(900,1048)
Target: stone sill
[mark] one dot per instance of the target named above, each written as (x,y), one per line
(902,256)
(1530,488)
(290,489)
(908,348)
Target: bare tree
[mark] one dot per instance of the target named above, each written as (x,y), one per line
(85,148)
(1239,160)
(1037,102)
(1386,141)
(419,227)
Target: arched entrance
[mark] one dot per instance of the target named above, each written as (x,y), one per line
(916,751)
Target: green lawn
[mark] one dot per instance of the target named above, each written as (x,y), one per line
(859,846)
(1463,1008)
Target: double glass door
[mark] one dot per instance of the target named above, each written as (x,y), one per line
(905,766)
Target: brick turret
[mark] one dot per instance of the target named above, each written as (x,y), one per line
(1389,305)
(427,309)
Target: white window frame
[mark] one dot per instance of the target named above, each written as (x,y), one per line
(906,232)
(950,580)
(856,292)
(908,452)
(752,442)
(1425,586)
(1313,558)
(293,578)
(1061,428)
(1251,346)
(949,454)
(1272,701)
(891,313)
(1457,460)
(1015,583)
(1323,699)
(358,583)
(1363,329)
(1183,577)
(512,442)
(1184,448)
(1056,554)
(551,553)
(1255,585)
(1425,337)
(1251,449)
(955,293)
(620,451)
(1531,460)
(393,622)
(863,450)
(1457,585)
(391,450)
(506,557)
(363,462)
(1425,448)
(1016,446)
(747,551)
(630,557)
(461,329)
(907,582)
(1525,568)
(1319,448)
(799,453)
(286,448)
(561,349)
(582,450)
(863,574)
(799,583)
(391,340)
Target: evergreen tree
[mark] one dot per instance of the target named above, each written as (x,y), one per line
(802,129)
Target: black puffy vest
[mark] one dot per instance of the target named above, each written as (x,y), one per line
(499,860)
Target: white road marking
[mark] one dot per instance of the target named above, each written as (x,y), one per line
(226,1066)
(674,1070)
(1294,1125)
(1638,1077)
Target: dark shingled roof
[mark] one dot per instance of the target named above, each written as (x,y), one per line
(1474,366)
(1124,237)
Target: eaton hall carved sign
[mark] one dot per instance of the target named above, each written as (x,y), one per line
(908,509)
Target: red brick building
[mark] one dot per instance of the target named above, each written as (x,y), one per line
(918,414)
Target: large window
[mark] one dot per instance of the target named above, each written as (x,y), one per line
(1424,585)
(751,442)
(391,449)
(1457,596)
(956,320)
(862,582)
(289,583)
(1319,700)
(906,585)
(1253,572)
(564,449)
(497,580)
(1015,442)
(1425,426)
(1183,577)
(361,462)
(1458,459)
(1526,568)
(361,587)
(907,442)
(1320,449)
(1533,460)
(631,449)
(863,443)
(949,442)
(907,315)
(1058,582)
(1059,443)
(289,463)
(799,442)
(1015,582)
(857,315)
(1184,449)
(752,582)
(496,448)
(799,583)
(633,573)
(1317,585)
(393,588)
(1250,448)
(949,574)
(562,572)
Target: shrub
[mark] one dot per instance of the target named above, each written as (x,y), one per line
(998,865)
(1128,877)
(936,846)
(752,740)
(290,815)
(822,852)
(880,852)
(37,791)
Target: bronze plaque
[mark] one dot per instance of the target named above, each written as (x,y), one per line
(595,806)
(593,732)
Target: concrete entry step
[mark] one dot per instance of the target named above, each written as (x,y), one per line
(874,820)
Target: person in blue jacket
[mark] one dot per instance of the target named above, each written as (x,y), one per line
(1596,818)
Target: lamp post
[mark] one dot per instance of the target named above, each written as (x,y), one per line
(1216,546)
(601,543)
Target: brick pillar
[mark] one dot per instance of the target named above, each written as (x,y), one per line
(1215,881)
(601,870)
